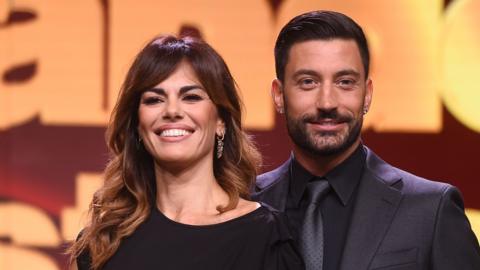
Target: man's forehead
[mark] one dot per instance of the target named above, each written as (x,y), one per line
(330,53)
(325,45)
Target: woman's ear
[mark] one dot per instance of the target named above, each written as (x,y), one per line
(220,128)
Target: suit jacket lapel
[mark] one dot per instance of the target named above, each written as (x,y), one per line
(376,205)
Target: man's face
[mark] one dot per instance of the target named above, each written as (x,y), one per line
(324,96)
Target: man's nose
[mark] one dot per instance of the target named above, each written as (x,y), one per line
(327,98)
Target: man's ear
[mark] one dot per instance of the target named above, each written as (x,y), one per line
(368,95)
(277,95)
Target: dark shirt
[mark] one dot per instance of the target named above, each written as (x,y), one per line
(258,240)
(336,207)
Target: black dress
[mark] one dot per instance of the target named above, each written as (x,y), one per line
(258,240)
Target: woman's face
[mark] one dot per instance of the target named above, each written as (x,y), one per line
(178,121)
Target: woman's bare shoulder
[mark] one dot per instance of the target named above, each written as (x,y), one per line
(73,266)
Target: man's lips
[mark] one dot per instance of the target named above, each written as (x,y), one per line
(327,124)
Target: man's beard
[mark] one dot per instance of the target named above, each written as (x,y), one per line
(324,143)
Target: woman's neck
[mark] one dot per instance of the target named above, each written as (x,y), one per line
(189,195)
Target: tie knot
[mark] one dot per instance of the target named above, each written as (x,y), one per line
(316,190)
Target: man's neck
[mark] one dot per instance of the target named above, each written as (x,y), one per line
(320,165)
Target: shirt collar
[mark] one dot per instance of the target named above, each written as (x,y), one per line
(343,179)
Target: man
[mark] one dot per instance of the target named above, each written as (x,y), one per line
(347,208)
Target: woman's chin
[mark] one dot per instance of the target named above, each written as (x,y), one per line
(175,161)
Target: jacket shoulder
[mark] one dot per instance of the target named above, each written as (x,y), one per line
(407,182)
(418,184)
(267,179)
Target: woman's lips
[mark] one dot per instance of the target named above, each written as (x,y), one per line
(174,133)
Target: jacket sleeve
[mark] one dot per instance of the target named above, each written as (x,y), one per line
(454,244)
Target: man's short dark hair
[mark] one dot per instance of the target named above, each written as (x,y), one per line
(318,25)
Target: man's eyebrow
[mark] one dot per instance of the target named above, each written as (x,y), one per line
(183,89)
(305,72)
(347,72)
(337,74)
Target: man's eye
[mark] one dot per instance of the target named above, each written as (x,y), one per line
(151,100)
(192,98)
(307,83)
(346,83)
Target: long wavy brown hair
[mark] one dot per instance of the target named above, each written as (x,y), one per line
(129,190)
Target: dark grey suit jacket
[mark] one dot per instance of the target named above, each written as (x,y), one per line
(400,221)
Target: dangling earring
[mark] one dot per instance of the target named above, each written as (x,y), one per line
(365,111)
(220,145)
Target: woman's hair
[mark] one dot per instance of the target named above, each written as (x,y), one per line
(129,190)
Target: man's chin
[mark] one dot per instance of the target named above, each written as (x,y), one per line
(328,145)
(324,143)
(329,150)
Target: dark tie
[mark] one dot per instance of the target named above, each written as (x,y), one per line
(311,237)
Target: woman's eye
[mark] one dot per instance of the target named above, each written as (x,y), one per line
(192,98)
(151,100)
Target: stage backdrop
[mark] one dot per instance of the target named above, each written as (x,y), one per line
(62,63)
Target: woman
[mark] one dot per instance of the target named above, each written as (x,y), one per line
(176,190)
